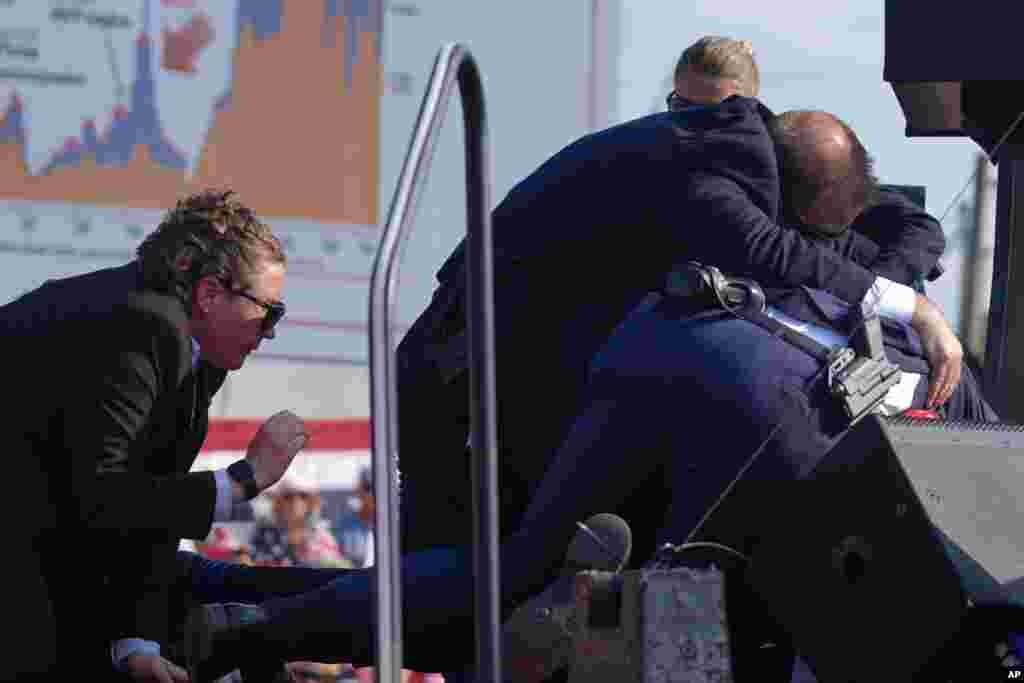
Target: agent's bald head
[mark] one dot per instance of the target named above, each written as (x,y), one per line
(827,175)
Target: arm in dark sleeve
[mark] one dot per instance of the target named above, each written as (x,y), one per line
(722,227)
(143,581)
(855,247)
(107,426)
(908,239)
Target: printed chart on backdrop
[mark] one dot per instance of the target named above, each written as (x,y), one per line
(110,109)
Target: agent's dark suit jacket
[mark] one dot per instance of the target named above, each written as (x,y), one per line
(895,239)
(578,244)
(107,418)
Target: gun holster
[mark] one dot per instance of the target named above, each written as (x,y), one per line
(859,375)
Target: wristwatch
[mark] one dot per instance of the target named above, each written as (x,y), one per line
(243,474)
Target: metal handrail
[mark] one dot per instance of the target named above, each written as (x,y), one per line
(454,62)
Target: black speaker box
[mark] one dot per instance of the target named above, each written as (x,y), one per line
(969,478)
(849,562)
(873,559)
(951,41)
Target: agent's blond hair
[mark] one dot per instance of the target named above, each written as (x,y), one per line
(717,66)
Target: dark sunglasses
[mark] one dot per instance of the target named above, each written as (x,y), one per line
(274,310)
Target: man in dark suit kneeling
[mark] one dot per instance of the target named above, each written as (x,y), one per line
(116,370)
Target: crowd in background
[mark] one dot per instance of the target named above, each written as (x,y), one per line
(291,525)
(295,523)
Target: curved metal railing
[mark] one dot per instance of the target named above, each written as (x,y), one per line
(454,63)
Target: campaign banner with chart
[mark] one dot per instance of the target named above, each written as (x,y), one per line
(110,110)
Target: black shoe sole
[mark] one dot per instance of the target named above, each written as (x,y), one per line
(199,624)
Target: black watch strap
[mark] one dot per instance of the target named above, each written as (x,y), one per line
(242,473)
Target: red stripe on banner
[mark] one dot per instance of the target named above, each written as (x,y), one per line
(325,435)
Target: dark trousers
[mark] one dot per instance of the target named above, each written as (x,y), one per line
(32,654)
(693,400)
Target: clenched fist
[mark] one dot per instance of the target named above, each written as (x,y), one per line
(274,446)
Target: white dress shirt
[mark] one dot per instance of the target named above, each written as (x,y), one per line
(889,300)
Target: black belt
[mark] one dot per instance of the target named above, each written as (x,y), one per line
(788,334)
(686,310)
(695,292)
(859,376)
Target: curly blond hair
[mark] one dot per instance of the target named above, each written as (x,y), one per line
(206,233)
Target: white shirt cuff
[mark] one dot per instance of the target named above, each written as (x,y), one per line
(225,497)
(890,300)
(121,650)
